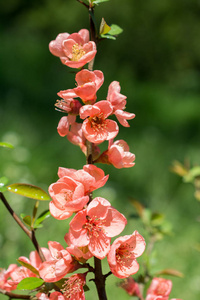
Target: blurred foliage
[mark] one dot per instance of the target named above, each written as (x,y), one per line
(157,61)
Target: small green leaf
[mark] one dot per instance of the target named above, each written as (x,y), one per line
(46,214)
(6,145)
(109,37)
(3,182)
(30,283)
(115,30)
(27,220)
(192,173)
(28,190)
(99,1)
(28,266)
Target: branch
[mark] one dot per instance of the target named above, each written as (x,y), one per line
(14,296)
(30,233)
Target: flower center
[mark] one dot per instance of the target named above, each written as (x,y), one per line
(98,122)
(68,195)
(77,52)
(72,287)
(93,226)
(124,254)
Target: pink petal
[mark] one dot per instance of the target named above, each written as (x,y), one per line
(112,129)
(105,108)
(115,222)
(59,213)
(63,126)
(84,33)
(100,246)
(55,46)
(122,116)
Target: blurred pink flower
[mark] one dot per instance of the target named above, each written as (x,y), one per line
(160,288)
(118,102)
(68,196)
(95,225)
(74,50)
(73,287)
(4,276)
(90,176)
(53,296)
(123,253)
(59,264)
(97,128)
(64,124)
(130,286)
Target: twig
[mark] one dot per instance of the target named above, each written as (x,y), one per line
(30,233)
(14,296)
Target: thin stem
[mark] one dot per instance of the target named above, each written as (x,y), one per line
(30,233)
(14,296)
(99,279)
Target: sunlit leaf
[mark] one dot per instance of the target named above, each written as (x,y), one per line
(28,266)
(115,30)
(192,173)
(6,145)
(29,191)
(104,28)
(171,272)
(30,283)
(3,182)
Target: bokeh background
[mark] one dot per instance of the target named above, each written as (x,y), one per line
(157,61)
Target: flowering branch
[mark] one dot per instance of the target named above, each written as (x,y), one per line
(30,233)
(14,296)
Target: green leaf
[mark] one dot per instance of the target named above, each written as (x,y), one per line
(28,266)
(192,173)
(106,36)
(46,214)
(28,190)
(6,145)
(115,30)
(27,220)
(99,1)
(3,182)
(30,283)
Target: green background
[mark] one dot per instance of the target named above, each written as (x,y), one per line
(157,62)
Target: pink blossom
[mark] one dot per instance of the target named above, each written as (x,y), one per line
(90,176)
(97,128)
(64,124)
(58,266)
(118,155)
(118,102)
(95,225)
(74,50)
(53,296)
(123,253)
(82,254)
(73,287)
(68,105)
(34,258)
(160,288)
(4,275)
(130,286)
(68,196)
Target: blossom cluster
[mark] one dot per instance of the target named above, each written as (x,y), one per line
(95,221)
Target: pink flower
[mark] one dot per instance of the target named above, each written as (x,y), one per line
(68,196)
(95,225)
(53,296)
(74,50)
(82,254)
(58,266)
(64,124)
(160,288)
(68,105)
(73,287)
(34,258)
(130,286)
(88,84)
(118,155)
(123,253)
(90,176)
(118,102)
(4,275)
(97,128)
